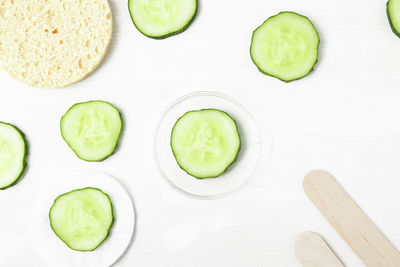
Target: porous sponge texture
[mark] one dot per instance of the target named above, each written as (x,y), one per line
(53,43)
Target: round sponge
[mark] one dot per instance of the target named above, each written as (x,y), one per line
(53,43)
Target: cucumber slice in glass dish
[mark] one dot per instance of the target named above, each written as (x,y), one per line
(393,13)
(285,46)
(160,19)
(205,142)
(92,129)
(242,164)
(13,152)
(82,218)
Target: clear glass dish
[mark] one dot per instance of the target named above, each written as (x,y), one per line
(236,175)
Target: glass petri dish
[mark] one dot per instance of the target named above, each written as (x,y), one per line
(236,175)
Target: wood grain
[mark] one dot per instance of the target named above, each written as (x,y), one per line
(312,251)
(350,221)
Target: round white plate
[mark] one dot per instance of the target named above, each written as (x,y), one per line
(55,252)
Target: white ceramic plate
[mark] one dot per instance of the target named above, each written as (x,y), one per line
(52,250)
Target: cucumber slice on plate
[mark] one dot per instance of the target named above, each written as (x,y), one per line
(205,142)
(285,46)
(82,218)
(393,13)
(13,151)
(162,18)
(92,129)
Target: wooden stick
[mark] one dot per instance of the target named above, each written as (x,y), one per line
(312,251)
(350,221)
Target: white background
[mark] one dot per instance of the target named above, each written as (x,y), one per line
(344,117)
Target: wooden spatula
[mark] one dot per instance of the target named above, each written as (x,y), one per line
(312,251)
(350,221)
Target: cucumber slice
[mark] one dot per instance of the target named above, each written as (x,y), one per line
(160,19)
(92,129)
(285,46)
(13,151)
(393,13)
(82,218)
(205,142)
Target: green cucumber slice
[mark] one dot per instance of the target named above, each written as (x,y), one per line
(82,218)
(393,13)
(205,142)
(13,151)
(285,46)
(160,19)
(92,129)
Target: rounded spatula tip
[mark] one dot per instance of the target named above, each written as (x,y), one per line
(312,251)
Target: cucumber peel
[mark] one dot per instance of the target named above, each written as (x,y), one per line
(393,14)
(82,218)
(92,129)
(285,46)
(13,154)
(205,142)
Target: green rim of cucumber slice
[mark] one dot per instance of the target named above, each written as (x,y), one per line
(159,19)
(393,14)
(92,129)
(205,142)
(13,154)
(82,218)
(285,46)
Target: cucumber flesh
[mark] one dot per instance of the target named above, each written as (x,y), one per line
(82,218)
(205,142)
(92,129)
(13,150)
(285,46)
(162,18)
(393,13)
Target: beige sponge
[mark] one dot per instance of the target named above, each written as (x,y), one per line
(53,43)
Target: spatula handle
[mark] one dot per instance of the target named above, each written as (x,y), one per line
(350,221)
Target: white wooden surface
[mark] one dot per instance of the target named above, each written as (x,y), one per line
(344,117)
